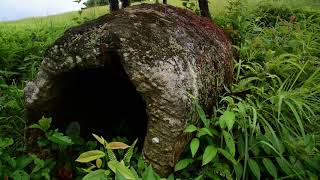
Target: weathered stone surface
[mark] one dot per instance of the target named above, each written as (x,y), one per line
(166,52)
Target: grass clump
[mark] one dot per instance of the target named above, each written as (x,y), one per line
(273,106)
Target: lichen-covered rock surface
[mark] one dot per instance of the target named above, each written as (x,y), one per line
(167,53)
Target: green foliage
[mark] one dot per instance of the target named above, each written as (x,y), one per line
(97,175)
(19,167)
(254,167)
(150,174)
(54,136)
(191,5)
(107,164)
(31,167)
(270,167)
(194,146)
(269,124)
(90,156)
(22,47)
(209,153)
(182,164)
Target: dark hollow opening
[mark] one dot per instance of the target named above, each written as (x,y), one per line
(103,100)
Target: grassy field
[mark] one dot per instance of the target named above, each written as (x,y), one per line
(272,109)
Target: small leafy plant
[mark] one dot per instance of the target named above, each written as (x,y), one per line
(191,5)
(23,167)
(53,136)
(104,164)
(215,144)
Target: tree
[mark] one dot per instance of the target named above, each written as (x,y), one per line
(114,4)
(204,8)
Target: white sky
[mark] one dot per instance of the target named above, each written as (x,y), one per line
(18,9)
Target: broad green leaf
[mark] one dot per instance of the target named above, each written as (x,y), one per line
(7,158)
(284,165)
(191,128)
(200,177)
(89,169)
(271,168)
(182,164)
(227,120)
(241,146)
(241,108)
(238,169)
(23,161)
(229,142)
(204,131)
(36,126)
(209,153)
(134,172)
(129,153)
(141,164)
(122,162)
(5,142)
(100,139)
(201,133)
(59,138)
(39,163)
(311,162)
(171,177)
(45,123)
(99,174)
(202,116)
(227,155)
(254,168)
(90,156)
(117,145)
(228,99)
(43,142)
(194,146)
(98,163)
(20,175)
(119,176)
(117,166)
(149,174)
(111,155)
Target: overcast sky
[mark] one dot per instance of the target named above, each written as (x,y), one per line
(18,9)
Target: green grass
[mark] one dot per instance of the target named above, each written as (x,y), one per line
(275,97)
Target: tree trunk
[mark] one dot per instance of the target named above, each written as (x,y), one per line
(125,3)
(114,5)
(134,69)
(164,2)
(204,8)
